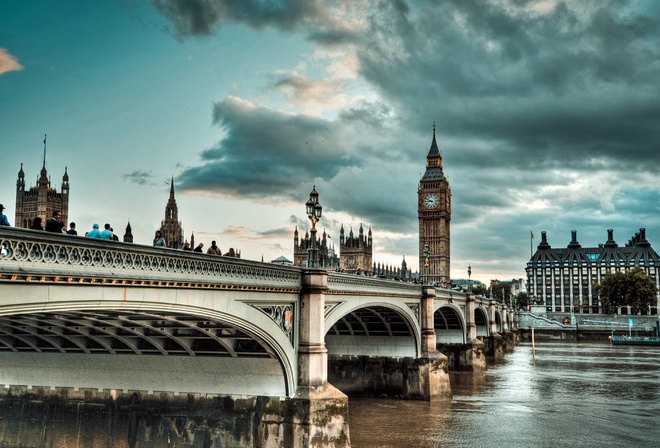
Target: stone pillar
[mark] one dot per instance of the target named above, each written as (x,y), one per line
(505,318)
(494,342)
(493,322)
(432,371)
(324,416)
(472,356)
(427,322)
(471,330)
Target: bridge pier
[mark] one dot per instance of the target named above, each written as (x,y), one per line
(471,354)
(494,344)
(324,419)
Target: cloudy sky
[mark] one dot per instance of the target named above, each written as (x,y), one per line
(547,113)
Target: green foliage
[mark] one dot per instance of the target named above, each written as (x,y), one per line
(634,287)
(479,290)
(522,300)
(501,291)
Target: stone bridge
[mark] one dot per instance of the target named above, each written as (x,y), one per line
(79,314)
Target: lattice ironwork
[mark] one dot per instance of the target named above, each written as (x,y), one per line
(282,315)
(127,332)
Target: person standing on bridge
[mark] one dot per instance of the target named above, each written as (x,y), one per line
(106,234)
(214,250)
(72,230)
(3,218)
(54,225)
(159,241)
(95,233)
(36,224)
(199,248)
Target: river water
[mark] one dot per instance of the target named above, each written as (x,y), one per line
(580,395)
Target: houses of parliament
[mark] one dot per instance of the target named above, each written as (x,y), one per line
(356,252)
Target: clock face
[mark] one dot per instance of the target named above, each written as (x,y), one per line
(431,201)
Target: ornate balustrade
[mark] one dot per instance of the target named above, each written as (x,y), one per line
(340,283)
(29,255)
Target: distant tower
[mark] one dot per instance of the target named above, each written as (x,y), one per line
(355,253)
(128,236)
(327,257)
(41,201)
(171,226)
(434,213)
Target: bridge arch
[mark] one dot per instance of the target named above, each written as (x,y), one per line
(378,328)
(449,324)
(176,341)
(481,321)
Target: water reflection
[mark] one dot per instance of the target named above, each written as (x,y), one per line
(574,395)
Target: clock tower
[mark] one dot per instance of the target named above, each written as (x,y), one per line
(434,213)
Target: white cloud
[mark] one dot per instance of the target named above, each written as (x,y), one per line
(8,63)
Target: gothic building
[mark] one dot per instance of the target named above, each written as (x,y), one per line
(434,213)
(42,200)
(327,256)
(170,228)
(562,279)
(355,253)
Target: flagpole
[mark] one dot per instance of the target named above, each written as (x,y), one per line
(531,234)
(44,150)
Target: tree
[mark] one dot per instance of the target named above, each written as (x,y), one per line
(500,290)
(634,288)
(479,290)
(522,300)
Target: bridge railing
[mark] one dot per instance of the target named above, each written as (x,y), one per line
(31,255)
(339,283)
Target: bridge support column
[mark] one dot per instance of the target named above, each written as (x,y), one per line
(433,373)
(494,344)
(325,420)
(472,357)
(509,338)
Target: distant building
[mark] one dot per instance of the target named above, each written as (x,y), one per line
(461,284)
(128,236)
(434,213)
(563,279)
(170,228)
(401,272)
(282,261)
(328,258)
(355,253)
(41,200)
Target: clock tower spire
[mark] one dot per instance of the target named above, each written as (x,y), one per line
(434,213)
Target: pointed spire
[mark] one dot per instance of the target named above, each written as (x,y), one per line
(434,151)
(172,188)
(44,151)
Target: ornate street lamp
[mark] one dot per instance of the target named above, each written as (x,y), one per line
(426,254)
(469,279)
(314,210)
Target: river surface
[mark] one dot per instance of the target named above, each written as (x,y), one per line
(571,395)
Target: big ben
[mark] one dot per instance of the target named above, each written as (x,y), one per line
(434,212)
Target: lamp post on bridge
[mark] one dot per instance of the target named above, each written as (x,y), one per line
(314,210)
(469,279)
(426,254)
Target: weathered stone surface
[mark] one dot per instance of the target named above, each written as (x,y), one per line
(64,418)
(410,378)
(468,357)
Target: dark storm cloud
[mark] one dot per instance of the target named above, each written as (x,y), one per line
(139,177)
(202,17)
(567,85)
(266,153)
